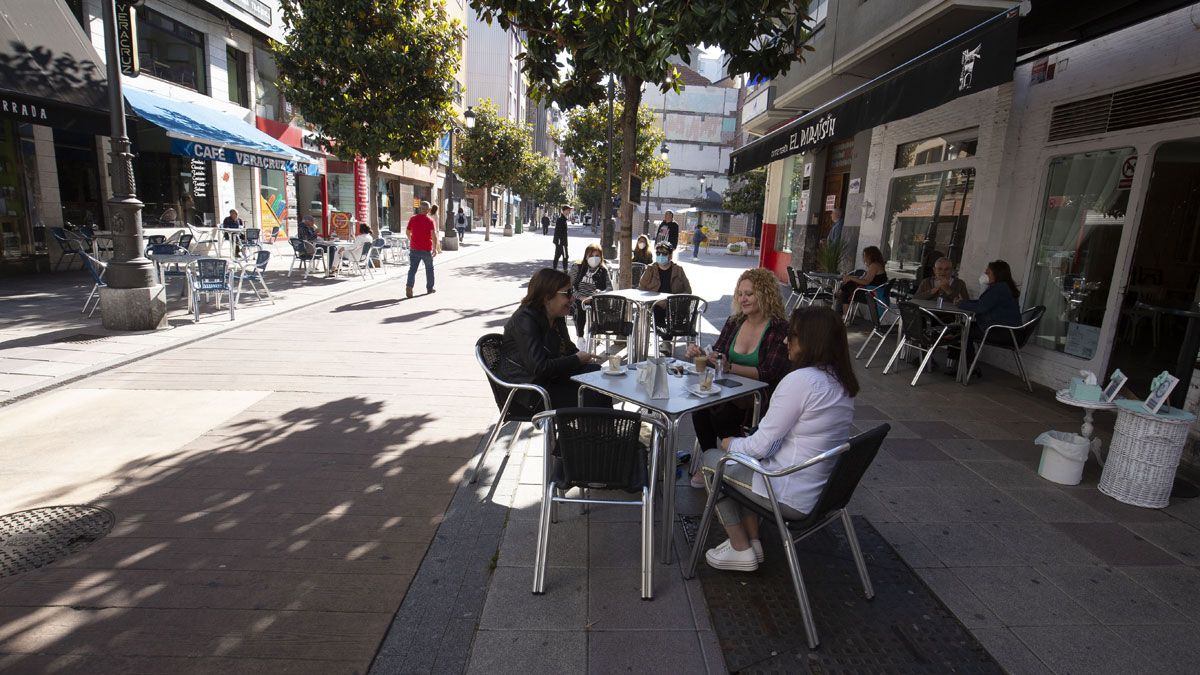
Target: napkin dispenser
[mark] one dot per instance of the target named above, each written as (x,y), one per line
(1085,388)
(652,376)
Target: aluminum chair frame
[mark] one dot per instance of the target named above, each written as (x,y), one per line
(551,498)
(513,388)
(195,286)
(905,343)
(305,264)
(92,265)
(789,541)
(67,246)
(877,320)
(1026,327)
(251,240)
(255,273)
(360,260)
(818,290)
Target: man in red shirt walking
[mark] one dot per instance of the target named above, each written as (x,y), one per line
(423,244)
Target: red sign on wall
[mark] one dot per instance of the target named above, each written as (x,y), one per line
(362,190)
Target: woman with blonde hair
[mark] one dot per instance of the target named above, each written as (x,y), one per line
(753,344)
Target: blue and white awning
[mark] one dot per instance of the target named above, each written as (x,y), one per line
(203,133)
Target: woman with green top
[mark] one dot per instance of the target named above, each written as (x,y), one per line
(753,344)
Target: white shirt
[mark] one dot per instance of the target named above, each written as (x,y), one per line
(809,414)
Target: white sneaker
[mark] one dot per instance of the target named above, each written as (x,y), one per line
(726,557)
(756,546)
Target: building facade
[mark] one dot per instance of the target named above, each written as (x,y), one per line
(494,73)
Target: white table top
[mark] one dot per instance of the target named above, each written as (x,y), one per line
(626,388)
(1064,396)
(638,295)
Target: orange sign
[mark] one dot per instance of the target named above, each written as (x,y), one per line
(340,220)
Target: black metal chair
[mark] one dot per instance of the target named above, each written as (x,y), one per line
(851,461)
(68,245)
(251,238)
(878,304)
(636,270)
(304,256)
(597,449)
(185,242)
(255,275)
(487,353)
(815,289)
(922,330)
(609,318)
(1012,338)
(679,319)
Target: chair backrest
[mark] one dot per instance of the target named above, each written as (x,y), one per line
(162,249)
(87,231)
(156,239)
(366,250)
(252,235)
(682,314)
(261,260)
(94,268)
(793,278)
(1030,319)
(609,315)
(848,471)
(211,270)
(881,295)
(185,240)
(487,352)
(301,248)
(599,448)
(637,269)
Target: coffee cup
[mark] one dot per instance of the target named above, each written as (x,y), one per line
(614,363)
(700,362)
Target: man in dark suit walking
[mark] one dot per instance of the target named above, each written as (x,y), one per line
(545,224)
(560,238)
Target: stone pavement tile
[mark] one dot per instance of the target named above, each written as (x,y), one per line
(934,429)
(912,504)
(695,593)
(568,544)
(1116,545)
(981,505)
(1111,596)
(907,449)
(943,474)
(869,412)
(1006,474)
(1176,585)
(964,544)
(1094,650)
(1055,505)
(865,503)
(511,605)
(1020,596)
(966,449)
(528,651)
(981,430)
(1025,452)
(616,544)
(969,609)
(1170,650)
(1010,652)
(1039,543)
(714,658)
(886,471)
(73,664)
(1179,539)
(908,545)
(1118,511)
(644,652)
(1187,510)
(615,601)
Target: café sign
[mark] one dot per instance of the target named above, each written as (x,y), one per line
(217,153)
(127,50)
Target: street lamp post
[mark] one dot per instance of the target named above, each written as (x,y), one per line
(132,300)
(450,239)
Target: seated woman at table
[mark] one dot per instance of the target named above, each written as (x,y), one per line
(537,348)
(998,305)
(943,284)
(811,411)
(337,253)
(753,344)
(641,250)
(875,275)
(591,277)
(664,276)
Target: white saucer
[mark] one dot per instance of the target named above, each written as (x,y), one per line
(621,370)
(696,390)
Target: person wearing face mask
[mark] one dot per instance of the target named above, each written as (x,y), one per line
(590,276)
(537,349)
(664,276)
(998,304)
(641,251)
(943,284)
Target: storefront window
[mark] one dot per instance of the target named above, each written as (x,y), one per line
(171,51)
(273,203)
(1079,233)
(789,201)
(14,230)
(927,219)
(174,189)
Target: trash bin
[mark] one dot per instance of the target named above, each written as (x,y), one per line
(1063,457)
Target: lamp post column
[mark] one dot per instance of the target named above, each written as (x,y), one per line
(450,236)
(133,300)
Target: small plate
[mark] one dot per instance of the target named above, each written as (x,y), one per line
(613,373)
(696,390)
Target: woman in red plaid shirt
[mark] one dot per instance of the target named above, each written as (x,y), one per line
(753,344)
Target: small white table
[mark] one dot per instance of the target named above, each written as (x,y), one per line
(965,317)
(672,409)
(1064,396)
(642,301)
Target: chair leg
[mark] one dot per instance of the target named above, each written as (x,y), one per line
(858,355)
(543,542)
(492,436)
(895,355)
(880,345)
(974,361)
(789,549)
(856,550)
(921,368)
(647,544)
(1021,369)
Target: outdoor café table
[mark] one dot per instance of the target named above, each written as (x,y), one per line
(332,245)
(172,258)
(828,280)
(681,402)
(965,317)
(1064,396)
(642,301)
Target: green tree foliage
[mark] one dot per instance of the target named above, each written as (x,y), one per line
(556,194)
(572,44)
(491,155)
(375,76)
(586,142)
(747,193)
(533,181)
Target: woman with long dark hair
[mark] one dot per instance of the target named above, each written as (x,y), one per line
(998,304)
(810,412)
(537,348)
(875,274)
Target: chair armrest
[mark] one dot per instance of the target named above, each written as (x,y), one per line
(752,464)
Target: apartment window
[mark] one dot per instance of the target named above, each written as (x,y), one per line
(76,7)
(817,10)
(171,51)
(1079,234)
(239,86)
(944,148)
(270,103)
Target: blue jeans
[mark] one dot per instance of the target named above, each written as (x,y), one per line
(415,258)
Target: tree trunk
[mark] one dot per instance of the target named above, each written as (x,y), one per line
(633,99)
(372,198)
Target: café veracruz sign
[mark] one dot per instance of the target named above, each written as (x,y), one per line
(979,59)
(217,153)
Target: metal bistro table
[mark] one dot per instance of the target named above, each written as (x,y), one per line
(681,402)
(827,280)
(965,317)
(643,302)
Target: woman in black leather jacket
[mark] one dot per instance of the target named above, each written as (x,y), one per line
(537,347)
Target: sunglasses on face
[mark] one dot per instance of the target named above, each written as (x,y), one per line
(570,292)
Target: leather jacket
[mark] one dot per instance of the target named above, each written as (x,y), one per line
(536,350)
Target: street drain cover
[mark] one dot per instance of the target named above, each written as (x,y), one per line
(37,537)
(82,338)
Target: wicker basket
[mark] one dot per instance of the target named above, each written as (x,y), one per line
(1143,457)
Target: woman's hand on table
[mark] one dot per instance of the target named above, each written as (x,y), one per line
(586,357)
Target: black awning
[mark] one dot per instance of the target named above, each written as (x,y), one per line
(49,72)
(976,60)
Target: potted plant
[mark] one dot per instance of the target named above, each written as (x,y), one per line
(830,255)
(736,248)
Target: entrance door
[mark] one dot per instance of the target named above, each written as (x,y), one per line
(1164,277)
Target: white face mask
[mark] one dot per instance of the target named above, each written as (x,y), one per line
(594,261)
(641,244)
(983,279)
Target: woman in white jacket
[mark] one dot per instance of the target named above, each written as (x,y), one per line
(810,412)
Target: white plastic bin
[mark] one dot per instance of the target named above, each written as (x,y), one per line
(1063,457)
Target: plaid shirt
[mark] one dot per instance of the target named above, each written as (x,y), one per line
(773,361)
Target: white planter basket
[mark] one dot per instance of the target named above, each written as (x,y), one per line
(1143,457)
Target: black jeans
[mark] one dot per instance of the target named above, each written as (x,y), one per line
(564,393)
(560,250)
(718,422)
(579,311)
